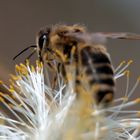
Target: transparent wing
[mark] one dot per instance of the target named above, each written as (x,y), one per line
(102,37)
(121,35)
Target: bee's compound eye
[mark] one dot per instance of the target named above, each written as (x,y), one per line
(42,39)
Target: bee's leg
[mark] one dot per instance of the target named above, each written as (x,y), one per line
(33,52)
(53,71)
(54,82)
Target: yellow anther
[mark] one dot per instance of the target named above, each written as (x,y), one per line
(32,68)
(12,82)
(37,61)
(22,65)
(11,89)
(138,113)
(137,100)
(14,77)
(1,99)
(127,72)
(1,82)
(125,98)
(139,78)
(27,62)
(2,121)
(17,67)
(123,62)
(130,61)
(39,64)
(21,69)
(3,95)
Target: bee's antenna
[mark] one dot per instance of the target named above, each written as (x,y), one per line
(33,46)
(31,54)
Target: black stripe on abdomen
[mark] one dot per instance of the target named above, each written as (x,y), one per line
(100,71)
(101,95)
(108,81)
(104,69)
(97,57)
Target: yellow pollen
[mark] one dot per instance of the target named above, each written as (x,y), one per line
(138,113)
(2,94)
(22,65)
(127,72)
(17,67)
(139,78)
(130,61)
(11,89)
(137,100)
(125,98)
(2,121)
(32,68)
(1,99)
(1,82)
(39,64)
(27,62)
(123,62)
(22,69)
(14,77)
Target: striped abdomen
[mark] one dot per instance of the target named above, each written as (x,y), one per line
(99,72)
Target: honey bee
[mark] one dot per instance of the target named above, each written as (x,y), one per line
(80,52)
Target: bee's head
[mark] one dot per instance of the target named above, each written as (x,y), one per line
(57,37)
(42,41)
(43,38)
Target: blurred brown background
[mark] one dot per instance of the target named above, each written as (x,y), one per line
(21,19)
